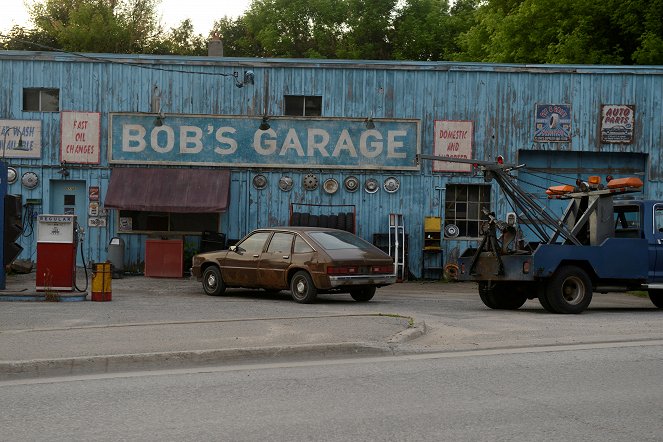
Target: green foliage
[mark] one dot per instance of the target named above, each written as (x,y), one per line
(505,31)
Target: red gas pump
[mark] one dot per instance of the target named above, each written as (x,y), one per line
(56,252)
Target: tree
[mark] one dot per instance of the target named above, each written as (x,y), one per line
(181,40)
(572,32)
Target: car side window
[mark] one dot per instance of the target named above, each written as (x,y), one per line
(302,246)
(280,243)
(658,219)
(254,243)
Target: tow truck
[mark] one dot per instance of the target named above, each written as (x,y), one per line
(600,244)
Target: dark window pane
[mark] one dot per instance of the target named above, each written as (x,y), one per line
(30,100)
(313,106)
(294,105)
(70,200)
(463,207)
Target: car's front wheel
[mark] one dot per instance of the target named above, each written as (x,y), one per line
(212,282)
(302,288)
(363,294)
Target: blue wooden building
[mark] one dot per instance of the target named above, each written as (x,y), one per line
(142,147)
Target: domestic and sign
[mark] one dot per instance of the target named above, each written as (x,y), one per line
(453,139)
(239,142)
(20,138)
(553,123)
(617,123)
(80,137)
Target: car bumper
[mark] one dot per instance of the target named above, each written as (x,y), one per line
(343,281)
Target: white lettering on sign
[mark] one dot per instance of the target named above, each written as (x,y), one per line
(316,142)
(228,145)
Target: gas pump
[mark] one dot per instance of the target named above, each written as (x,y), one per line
(57,237)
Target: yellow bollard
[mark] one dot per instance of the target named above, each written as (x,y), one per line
(101,282)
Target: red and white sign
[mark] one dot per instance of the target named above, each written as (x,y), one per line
(453,139)
(80,137)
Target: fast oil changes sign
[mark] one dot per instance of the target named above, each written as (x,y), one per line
(239,142)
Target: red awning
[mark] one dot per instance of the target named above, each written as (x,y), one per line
(168,190)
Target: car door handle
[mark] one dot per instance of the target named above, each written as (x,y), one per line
(286,256)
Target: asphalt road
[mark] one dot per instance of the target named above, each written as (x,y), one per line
(593,392)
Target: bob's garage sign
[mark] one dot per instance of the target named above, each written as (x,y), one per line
(286,142)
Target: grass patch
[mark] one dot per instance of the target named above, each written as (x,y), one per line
(639,293)
(410,319)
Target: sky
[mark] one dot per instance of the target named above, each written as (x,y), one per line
(202,13)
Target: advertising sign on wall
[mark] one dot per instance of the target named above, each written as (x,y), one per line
(239,142)
(20,138)
(453,139)
(617,123)
(80,137)
(553,123)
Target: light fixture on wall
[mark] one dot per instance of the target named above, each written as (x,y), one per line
(368,122)
(5,132)
(249,78)
(63,170)
(158,121)
(264,125)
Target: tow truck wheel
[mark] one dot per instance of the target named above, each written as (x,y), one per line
(656,297)
(569,290)
(500,296)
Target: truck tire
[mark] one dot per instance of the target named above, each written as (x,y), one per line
(500,296)
(656,297)
(569,290)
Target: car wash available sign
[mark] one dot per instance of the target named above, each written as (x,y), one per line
(239,141)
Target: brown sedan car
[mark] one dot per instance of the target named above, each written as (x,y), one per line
(305,260)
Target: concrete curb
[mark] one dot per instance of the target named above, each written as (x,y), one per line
(12,370)
(417,330)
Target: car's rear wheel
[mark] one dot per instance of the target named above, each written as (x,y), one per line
(569,290)
(363,294)
(212,282)
(302,288)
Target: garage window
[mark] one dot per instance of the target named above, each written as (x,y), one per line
(144,221)
(463,207)
(302,105)
(41,100)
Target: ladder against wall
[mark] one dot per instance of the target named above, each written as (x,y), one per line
(397,244)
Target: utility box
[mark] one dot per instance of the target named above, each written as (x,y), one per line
(116,256)
(56,252)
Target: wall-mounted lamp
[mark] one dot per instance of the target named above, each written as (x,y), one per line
(5,132)
(63,170)
(368,122)
(264,125)
(249,78)
(158,121)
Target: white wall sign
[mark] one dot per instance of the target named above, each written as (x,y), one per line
(453,139)
(80,137)
(20,138)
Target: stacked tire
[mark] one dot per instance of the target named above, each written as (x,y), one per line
(341,221)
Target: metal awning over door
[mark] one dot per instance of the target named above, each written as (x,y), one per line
(168,190)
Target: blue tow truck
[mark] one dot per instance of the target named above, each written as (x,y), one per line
(604,242)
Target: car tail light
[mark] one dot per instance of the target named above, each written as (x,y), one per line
(383,269)
(526,267)
(342,270)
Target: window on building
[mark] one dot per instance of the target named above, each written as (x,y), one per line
(463,207)
(301,105)
(139,221)
(41,100)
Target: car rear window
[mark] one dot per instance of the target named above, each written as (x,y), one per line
(338,240)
